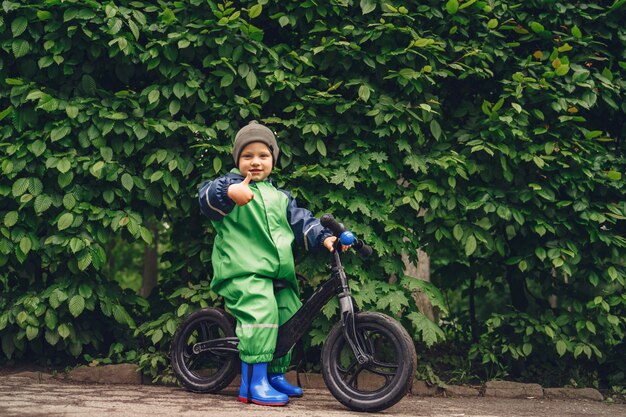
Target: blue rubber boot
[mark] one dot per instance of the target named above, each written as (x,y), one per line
(255,387)
(280,383)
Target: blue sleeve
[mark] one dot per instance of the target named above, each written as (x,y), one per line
(308,231)
(214,200)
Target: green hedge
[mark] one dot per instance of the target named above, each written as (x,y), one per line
(487,133)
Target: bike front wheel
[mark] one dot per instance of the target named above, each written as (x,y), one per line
(388,376)
(206,371)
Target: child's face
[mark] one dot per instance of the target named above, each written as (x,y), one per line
(256,158)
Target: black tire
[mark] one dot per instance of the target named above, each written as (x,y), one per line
(205,372)
(376,386)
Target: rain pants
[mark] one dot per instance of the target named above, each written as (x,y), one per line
(252,248)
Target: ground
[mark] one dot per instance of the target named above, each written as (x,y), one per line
(20,396)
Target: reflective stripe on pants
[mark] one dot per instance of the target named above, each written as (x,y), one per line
(259,312)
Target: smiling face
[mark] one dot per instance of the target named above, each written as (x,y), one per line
(256,158)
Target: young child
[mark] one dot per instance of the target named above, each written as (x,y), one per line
(256,225)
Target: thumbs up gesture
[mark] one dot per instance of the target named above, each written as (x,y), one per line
(241,193)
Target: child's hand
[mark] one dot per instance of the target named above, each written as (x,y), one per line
(329,243)
(241,193)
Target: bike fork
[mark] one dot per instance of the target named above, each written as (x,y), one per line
(346,306)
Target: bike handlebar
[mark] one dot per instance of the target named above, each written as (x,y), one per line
(329,222)
(338,229)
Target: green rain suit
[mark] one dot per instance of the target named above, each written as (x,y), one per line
(252,248)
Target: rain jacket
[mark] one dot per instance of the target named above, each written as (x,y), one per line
(257,237)
(252,248)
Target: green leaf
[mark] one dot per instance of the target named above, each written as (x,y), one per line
(321,147)
(452,6)
(85,291)
(127,181)
(146,235)
(20,48)
(469,3)
(134,29)
(492,24)
(64,331)
(367,6)
(51,319)
(576,32)
(457,232)
(157,175)
(255,11)
(251,80)
(76,244)
(84,261)
(31,332)
(6,112)
(562,69)
(614,175)
(153,96)
(35,186)
(88,84)
(537,27)
(59,133)
(120,314)
(18,26)
(227,80)
(64,165)
(182,310)
(430,332)
(38,147)
(54,300)
(283,21)
(19,187)
(65,221)
(217,164)
(76,305)
(10,218)
(72,111)
(21,317)
(364,93)
(13,81)
(170,326)
(157,336)
(470,245)
(43,15)
(96,169)
(541,253)
(179,90)
(52,337)
(174,107)
(106,153)
(435,129)
(561,347)
(25,245)
(527,348)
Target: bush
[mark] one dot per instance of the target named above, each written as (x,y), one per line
(487,133)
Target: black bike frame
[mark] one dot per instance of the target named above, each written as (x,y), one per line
(291,331)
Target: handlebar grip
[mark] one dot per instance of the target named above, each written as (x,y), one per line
(362,248)
(329,222)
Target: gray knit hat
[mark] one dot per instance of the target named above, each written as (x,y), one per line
(254,132)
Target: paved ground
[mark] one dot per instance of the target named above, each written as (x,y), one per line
(26,397)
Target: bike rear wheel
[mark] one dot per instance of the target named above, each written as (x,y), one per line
(386,379)
(207,371)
